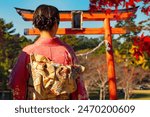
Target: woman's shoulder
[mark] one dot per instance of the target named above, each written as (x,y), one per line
(65,45)
(28,49)
(70,52)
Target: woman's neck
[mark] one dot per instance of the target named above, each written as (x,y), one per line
(46,34)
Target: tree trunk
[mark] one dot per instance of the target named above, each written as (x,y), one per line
(101,93)
(125,93)
(104,93)
(128,95)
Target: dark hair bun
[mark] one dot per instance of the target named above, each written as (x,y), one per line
(45,16)
(43,23)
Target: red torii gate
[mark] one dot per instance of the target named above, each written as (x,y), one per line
(123,14)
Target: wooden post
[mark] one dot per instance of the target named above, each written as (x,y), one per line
(110,61)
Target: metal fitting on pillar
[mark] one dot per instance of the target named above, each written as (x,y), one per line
(107,45)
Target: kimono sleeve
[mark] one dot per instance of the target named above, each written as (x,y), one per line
(19,77)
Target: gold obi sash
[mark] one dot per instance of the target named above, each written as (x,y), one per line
(50,80)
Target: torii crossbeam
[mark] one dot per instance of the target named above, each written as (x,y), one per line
(107,30)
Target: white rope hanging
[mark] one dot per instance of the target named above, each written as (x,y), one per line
(93,50)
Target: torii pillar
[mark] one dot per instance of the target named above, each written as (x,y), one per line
(110,61)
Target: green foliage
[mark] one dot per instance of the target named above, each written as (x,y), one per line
(130,26)
(125,48)
(83,44)
(71,40)
(126,39)
(10,46)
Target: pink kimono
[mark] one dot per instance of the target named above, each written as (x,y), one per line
(55,50)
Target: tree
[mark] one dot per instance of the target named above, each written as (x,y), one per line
(126,39)
(80,42)
(108,5)
(71,40)
(102,73)
(127,81)
(133,48)
(10,46)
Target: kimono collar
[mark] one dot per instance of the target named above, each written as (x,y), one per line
(47,41)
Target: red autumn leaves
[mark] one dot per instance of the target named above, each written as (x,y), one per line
(146,10)
(142,45)
(109,4)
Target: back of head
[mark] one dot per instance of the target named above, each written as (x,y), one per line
(45,16)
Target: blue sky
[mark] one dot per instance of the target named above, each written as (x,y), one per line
(8,12)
